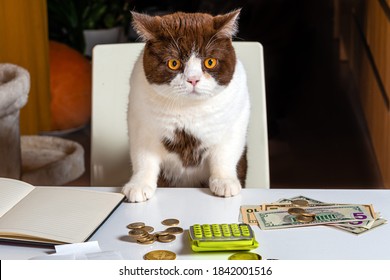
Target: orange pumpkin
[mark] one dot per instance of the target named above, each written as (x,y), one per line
(70,86)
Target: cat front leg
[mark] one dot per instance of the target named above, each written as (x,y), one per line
(223,180)
(225,187)
(143,182)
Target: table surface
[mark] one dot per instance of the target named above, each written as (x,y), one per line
(192,206)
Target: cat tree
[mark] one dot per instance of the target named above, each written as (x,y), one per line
(39,160)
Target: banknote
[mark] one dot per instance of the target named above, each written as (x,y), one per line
(359,230)
(247,213)
(284,205)
(356,226)
(365,223)
(289,200)
(327,214)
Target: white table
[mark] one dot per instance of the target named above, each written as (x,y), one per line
(192,206)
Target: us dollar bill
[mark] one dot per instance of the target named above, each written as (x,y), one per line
(247,214)
(310,200)
(362,223)
(328,214)
(359,230)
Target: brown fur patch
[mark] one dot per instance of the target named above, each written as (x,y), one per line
(242,168)
(163,182)
(186,146)
(177,36)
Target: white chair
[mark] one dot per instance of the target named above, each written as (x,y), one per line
(112,65)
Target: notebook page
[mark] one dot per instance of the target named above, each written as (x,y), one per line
(11,192)
(65,214)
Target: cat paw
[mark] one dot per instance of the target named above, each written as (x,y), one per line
(138,192)
(225,186)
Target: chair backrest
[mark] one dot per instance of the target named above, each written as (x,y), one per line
(112,65)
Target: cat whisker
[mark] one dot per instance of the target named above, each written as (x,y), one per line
(173,102)
(239,38)
(211,41)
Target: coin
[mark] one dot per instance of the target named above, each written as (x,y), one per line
(160,255)
(170,222)
(307,214)
(166,238)
(305,219)
(145,237)
(295,211)
(300,202)
(137,233)
(159,233)
(174,230)
(148,228)
(245,256)
(148,240)
(136,225)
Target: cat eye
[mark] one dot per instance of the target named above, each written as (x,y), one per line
(210,63)
(174,64)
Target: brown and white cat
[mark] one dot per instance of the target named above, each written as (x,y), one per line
(188,106)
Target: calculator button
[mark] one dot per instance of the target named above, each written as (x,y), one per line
(216,230)
(245,231)
(206,227)
(207,231)
(197,227)
(234,227)
(215,227)
(226,231)
(197,231)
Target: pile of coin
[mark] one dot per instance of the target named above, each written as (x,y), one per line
(143,234)
(301,214)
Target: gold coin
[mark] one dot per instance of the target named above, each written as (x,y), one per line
(305,219)
(148,240)
(170,222)
(160,255)
(300,202)
(144,237)
(174,230)
(148,228)
(295,211)
(137,233)
(166,238)
(157,234)
(307,214)
(136,225)
(245,256)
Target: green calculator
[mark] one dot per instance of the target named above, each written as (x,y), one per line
(222,237)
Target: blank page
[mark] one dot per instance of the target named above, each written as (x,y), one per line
(65,214)
(11,192)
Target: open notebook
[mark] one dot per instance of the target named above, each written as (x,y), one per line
(52,215)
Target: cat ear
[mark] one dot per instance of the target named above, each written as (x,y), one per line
(145,25)
(226,25)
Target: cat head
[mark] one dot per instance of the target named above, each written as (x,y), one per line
(188,55)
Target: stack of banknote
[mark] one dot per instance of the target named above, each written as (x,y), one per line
(301,211)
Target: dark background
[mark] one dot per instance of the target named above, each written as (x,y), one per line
(317,133)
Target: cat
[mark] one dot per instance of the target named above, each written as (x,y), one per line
(188,107)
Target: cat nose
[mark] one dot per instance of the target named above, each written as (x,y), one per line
(193,81)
